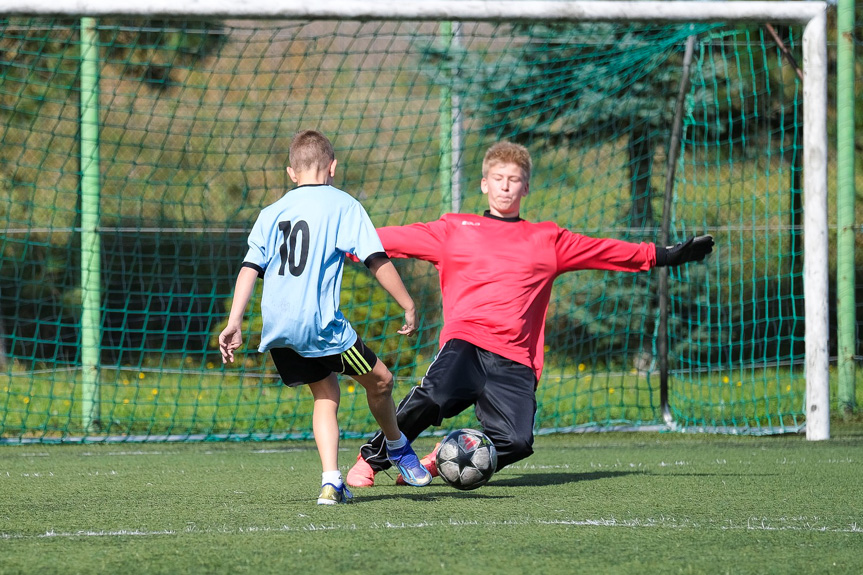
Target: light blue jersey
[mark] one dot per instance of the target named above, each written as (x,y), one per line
(298,244)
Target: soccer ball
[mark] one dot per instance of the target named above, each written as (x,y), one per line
(466,459)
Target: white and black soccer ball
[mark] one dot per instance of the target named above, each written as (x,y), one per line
(466,459)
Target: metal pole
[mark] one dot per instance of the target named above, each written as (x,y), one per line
(815,236)
(90,253)
(846,314)
(435,10)
(673,150)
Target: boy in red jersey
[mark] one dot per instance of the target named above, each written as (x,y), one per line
(496,273)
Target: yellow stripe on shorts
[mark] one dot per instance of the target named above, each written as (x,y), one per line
(350,359)
(357,361)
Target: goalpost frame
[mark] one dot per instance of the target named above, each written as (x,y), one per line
(810,14)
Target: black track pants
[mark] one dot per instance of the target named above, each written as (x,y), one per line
(462,374)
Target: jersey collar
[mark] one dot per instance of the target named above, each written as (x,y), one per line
(488,214)
(309,186)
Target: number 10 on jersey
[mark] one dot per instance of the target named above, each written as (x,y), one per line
(288,251)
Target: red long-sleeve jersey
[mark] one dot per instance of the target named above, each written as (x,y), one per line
(496,274)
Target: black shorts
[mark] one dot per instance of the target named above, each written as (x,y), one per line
(298,370)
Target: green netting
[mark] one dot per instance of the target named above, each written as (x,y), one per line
(195,119)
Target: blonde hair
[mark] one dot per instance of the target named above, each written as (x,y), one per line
(507,153)
(311,151)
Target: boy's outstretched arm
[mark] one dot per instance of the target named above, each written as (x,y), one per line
(232,336)
(694,249)
(387,275)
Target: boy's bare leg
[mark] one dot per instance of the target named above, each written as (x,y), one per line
(378,384)
(325,423)
(379,391)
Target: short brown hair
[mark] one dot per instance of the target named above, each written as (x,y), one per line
(311,150)
(507,153)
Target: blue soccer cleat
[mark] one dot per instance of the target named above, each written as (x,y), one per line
(408,464)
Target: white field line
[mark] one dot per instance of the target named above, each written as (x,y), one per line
(798,524)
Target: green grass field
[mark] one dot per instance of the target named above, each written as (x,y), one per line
(589,503)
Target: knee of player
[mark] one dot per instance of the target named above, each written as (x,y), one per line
(513,452)
(517,447)
(381,384)
(387,383)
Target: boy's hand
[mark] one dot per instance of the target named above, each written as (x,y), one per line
(694,249)
(410,326)
(230,339)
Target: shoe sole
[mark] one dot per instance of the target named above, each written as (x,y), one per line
(324,501)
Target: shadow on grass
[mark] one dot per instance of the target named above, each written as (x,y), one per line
(429,494)
(439,491)
(538,479)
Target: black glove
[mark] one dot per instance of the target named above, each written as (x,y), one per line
(694,249)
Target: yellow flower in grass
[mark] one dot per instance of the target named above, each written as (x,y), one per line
(610,390)
(26,400)
(155,392)
(725,379)
(141,375)
(581,367)
(126,401)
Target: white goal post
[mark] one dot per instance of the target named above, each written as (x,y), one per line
(810,14)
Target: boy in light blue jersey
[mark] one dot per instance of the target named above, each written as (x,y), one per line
(298,246)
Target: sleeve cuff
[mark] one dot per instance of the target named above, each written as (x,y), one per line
(374,257)
(255,267)
(661,256)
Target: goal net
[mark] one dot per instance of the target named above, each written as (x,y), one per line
(114,284)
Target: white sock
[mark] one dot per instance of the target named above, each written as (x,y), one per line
(334,477)
(398,443)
